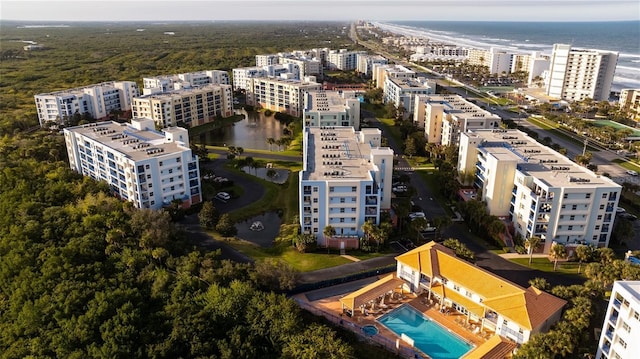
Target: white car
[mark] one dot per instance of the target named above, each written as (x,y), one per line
(415,215)
(632,172)
(223,196)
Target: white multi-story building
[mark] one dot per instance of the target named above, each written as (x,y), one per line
(266,60)
(402,91)
(308,66)
(630,101)
(444,117)
(279,94)
(366,62)
(189,106)
(345,181)
(151,169)
(381,72)
(619,337)
(331,108)
(343,59)
(98,100)
(167,83)
(537,67)
(541,191)
(577,74)
(242,76)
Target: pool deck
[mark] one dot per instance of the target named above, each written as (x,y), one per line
(453,321)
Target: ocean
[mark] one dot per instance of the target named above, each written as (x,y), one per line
(622,36)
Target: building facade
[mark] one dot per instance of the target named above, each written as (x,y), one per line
(577,74)
(331,108)
(402,91)
(382,71)
(343,59)
(619,336)
(498,305)
(280,95)
(189,106)
(168,83)
(345,181)
(630,101)
(366,62)
(141,165)
(98,100)
(242,76)
(540,191)
(444,117)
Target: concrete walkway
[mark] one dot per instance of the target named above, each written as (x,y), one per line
(517,255)
(351,258)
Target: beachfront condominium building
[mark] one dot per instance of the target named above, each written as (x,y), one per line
(401,92)
(496,60)
(279,94)
(444,117)
(382,71)
(345,181)
(331,108)
(242,76)
(542,192)
(343,59)
(98,100)
(189,106)
(577,74)
(267,60)
(148,168)
(308,66)
(166,83)
(492,303)
(366,62)
(537,66)
(630,101)
(619,336)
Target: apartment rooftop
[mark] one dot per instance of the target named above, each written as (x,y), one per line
(528,307)
(408,84)
(457,106)
(183,91)
(335,153)
(325,101)
(128,140)
(537,160)
(282,81)
(79,90)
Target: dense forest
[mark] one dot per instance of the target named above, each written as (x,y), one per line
(82,54)
(84,275)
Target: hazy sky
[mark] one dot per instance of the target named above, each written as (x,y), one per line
(461,10)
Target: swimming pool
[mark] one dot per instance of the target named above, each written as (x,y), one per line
(428,336)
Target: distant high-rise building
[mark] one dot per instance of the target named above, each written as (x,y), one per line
(619,336)
(343,59)
(166,83)
(577,74)
(146,167)
(98,100)
(242,76)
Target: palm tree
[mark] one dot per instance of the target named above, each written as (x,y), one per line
(270,142)
(368,228)
(558,251)
(532,243)
(418,224)
(584,254)
(328,232)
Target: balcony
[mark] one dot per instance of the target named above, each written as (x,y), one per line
(480,166)
(613,318)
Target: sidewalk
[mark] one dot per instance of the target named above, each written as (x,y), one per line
(517,255)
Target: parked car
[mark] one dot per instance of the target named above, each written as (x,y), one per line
(414,215)
(224,196)
(632,173)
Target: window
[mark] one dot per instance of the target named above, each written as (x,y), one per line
(588,195)
(566,195)
(331,189)
(599,217)
(315,210)
(602,206)
(456,287)
(341,210)
(353,189)
(315,200)
(572,217)
(622,343)
(171,170)
(315,189)
(160,163)
(151,194)
(604,195)
(597,227)
(178,159)
(341,199)
(315,220)
(341,220)
(150,185)
(574,207)
(570,228)
(626,327)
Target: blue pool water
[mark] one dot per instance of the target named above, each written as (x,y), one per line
(428,336)
(370,330)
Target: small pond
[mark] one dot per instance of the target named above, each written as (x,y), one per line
(265,229)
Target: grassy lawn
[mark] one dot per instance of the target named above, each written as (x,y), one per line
(294,154)
(559,131)
(391,131)
(303,262)
(629,165)
(545,265)
(420,162)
